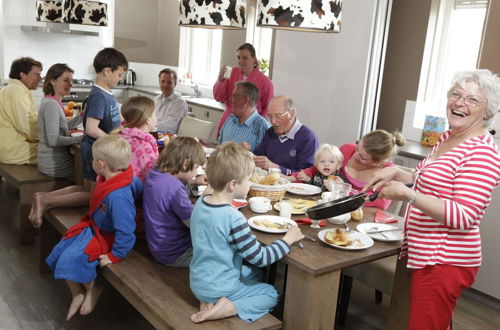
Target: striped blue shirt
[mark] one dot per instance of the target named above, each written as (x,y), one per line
(251,130)
(221,239)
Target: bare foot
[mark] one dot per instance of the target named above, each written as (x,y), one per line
(75,305)
(204,306)
(90,300)
(222,309)
(31,216)
(39,209)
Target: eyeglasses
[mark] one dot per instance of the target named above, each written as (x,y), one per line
(470,100)
(277,116)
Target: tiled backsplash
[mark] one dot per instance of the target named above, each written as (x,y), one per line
(77,51)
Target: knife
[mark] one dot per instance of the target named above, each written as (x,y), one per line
(383,231)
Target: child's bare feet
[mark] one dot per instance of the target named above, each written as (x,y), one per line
(204,306)
(91,297)
(222,309)
(37,210)
(75,305)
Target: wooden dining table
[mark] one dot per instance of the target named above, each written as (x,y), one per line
(313,275)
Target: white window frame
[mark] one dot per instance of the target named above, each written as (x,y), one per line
(199,67)
(433,84)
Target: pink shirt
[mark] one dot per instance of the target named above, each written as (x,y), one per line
(348,151)
(144,150)
(223,91)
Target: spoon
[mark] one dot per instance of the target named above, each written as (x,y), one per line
(347,229)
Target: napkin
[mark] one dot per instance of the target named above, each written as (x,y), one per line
(239,203)
(382,217)
(307,221)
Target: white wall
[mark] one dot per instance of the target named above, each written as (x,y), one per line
(77,51)
(325,74)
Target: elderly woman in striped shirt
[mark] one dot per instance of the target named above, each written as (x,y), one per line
(452,189)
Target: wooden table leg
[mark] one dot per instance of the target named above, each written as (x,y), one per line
(400,298)
(310,301)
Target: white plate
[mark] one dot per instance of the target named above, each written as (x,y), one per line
(362,241)
(77,134)
(272,219)
(303,189)
(208,151)
(393,236)
(298,207)
(340,219)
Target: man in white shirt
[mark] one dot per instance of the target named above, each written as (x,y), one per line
(170,108)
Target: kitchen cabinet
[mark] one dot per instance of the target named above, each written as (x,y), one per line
(119,93)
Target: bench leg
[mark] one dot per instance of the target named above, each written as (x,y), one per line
(49,237)
(28,232)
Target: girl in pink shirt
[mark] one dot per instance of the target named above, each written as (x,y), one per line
(140,119)
(247,69)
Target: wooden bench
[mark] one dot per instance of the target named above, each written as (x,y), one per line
(161,294)
(28,180)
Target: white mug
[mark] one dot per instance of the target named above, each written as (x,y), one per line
(260,204)
(227,74)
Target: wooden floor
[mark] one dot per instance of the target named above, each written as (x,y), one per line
(30,300)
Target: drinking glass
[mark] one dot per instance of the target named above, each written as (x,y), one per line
(286,206)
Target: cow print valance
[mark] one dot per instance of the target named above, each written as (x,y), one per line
(228,14)
(72,11)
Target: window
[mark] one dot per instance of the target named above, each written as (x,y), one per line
(260,38)
(199,55)
(452,44)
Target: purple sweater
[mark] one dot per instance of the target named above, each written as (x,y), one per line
(292,155)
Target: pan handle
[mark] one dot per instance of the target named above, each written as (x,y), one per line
(374,196)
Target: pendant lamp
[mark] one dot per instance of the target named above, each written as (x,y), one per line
(213,14)
(301,15)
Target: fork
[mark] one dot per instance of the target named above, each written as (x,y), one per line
(376,230)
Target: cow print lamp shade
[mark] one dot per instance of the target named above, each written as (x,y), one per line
(301,15)
(215,14)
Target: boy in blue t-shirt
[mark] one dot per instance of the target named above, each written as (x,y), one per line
(221,239)
(102,113)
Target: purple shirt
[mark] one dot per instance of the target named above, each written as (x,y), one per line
(292,155)
(166,204)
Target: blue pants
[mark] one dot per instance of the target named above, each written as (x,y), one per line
(253,299)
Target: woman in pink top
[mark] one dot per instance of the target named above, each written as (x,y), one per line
(452,188)
(371,154)
(247,69)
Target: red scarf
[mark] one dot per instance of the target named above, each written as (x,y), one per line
(100,244)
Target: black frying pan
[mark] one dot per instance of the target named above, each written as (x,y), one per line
(341,206)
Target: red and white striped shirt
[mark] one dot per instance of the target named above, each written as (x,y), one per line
(464,178)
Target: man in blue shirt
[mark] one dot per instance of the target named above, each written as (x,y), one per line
(244,125)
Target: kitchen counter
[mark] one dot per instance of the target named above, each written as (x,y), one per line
(415,150)
(154,90)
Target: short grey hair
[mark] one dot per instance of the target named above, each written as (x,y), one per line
(289,104)
(488,82)
(249,90)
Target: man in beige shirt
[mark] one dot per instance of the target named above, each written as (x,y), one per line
(18,116)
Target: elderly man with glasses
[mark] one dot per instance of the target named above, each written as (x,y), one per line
(287,145)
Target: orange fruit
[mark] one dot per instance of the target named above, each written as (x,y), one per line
(71,105)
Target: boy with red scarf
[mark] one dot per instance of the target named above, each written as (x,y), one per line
(106,233)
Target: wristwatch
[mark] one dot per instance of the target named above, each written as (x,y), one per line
(413,198)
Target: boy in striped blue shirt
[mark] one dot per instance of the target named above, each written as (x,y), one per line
(221,240)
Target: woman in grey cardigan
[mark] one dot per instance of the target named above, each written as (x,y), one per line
(54,157)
